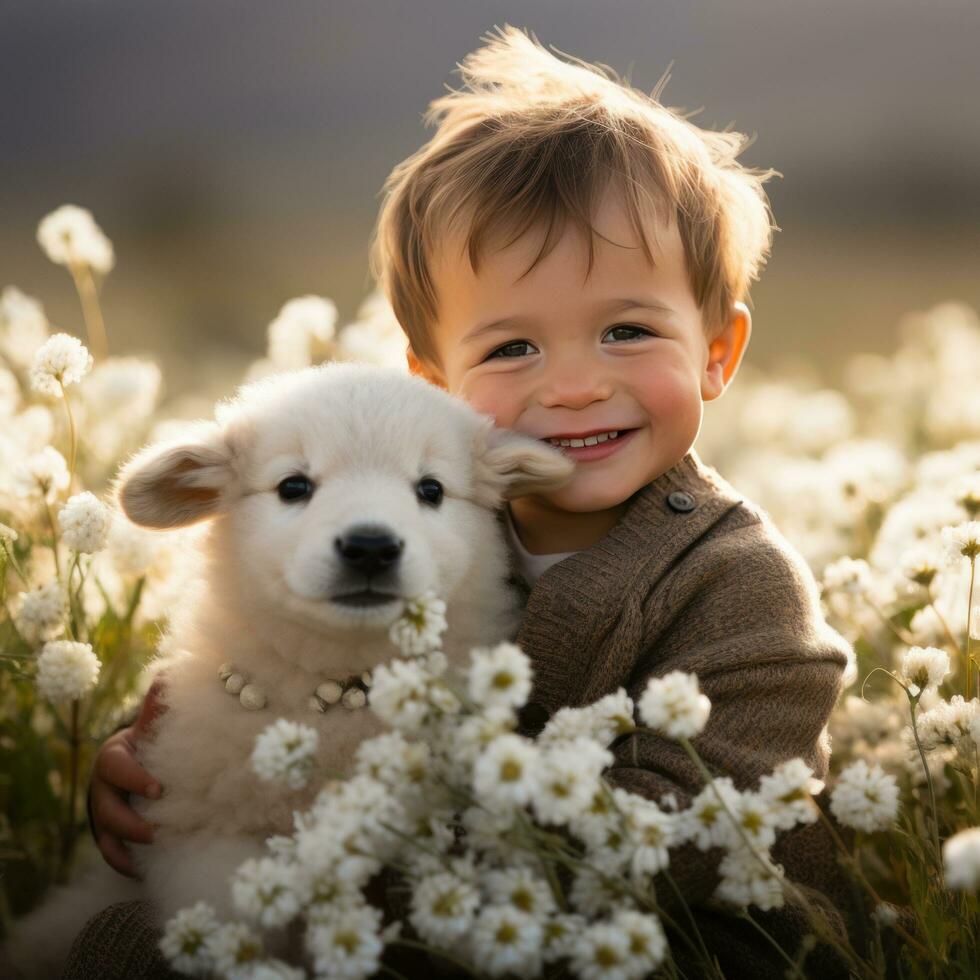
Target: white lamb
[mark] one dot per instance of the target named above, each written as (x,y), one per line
(332,494)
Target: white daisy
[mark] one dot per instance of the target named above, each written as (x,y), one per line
(84,522)
(40,613)
(746,881)
(865,797)
(420,627)
(43,474)
(961,541)
(499,676)
(787,790)
(961,860)
(443,907)
(650,832)
(70,236)
(561,932)
(506,774)
(569,778)
(60,361)
(521,887)
(232,945)
(705,822)
(505,940)
(923,668)
(400,694)
(285,751)
(674,705)
(184,941)
(66,671)
(267,891)
(851,576)
(347,946)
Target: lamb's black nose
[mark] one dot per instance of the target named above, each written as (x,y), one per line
(369,549)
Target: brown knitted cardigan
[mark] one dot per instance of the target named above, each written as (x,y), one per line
(694,578)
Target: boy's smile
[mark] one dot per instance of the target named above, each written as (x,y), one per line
(558,355)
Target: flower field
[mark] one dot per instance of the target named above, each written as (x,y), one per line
(518,857)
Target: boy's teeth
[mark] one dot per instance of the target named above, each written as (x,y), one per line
(587,441)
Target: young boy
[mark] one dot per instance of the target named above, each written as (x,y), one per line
(572,258)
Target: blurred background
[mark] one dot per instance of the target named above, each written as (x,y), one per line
(233,151)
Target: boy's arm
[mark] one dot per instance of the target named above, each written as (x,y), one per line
(746,619)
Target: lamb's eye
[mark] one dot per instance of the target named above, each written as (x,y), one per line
(429,490)
(296,487)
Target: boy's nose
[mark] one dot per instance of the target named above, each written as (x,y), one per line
(369,548)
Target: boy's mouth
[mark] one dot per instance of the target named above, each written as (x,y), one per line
(596,437)
(587,449)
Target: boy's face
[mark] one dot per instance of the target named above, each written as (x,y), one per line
(574,359)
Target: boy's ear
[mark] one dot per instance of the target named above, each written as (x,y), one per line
(178,484)
(423,369)
(509,464)
(725,353)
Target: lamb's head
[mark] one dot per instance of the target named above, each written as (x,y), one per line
(339,491)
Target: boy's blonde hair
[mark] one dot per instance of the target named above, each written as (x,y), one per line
(535,141)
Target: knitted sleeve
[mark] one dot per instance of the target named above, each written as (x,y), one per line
(742,613)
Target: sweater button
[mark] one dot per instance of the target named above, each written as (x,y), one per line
(681,501)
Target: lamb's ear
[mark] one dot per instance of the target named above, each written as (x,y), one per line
(510,464)
(179,483)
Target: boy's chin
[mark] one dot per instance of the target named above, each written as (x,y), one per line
(585,495)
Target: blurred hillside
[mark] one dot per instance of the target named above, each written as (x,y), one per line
(233,150)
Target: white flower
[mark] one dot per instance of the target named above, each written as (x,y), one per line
(865,797)
(506,941)
(66,670)
(420,627)
(84,522)
(409,694)
(561,932)
(946,723)
(23,326)
(923,668)
(285,751)
(961,860)
(347,945)
(507,773)
(499,676)
(70,236)
(40,613)
(674,705)
(885,914)
(61,361)
(393,760)
(265,970)
(745,881)
(961,541)
(629,946)
(443,907)
(593,895)
(787,791)
(267,891)
(522,888)
(300,331)
(185,936)
(568,778)
(231,945)
(43,474)
(706,822)
(849,575)
(650,832)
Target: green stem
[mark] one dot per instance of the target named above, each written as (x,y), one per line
(932,792)
(54,538)
(91,311)
(72,438)
(969,616)
(68,840)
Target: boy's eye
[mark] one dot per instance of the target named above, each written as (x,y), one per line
(642,331)
(501,352)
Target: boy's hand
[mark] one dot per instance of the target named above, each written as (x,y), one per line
(115,775)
